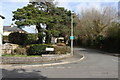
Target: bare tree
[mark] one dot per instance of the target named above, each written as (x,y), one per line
(95,22)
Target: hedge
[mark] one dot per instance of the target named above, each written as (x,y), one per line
(61,49)
(18,38)
(22,38)
(37,49)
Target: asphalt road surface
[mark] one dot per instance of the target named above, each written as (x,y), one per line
(96,64)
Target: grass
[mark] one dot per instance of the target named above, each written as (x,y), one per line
(6,55)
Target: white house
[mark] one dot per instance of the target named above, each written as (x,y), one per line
(10,29)
(1,32)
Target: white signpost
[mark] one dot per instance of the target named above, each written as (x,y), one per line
(49,49)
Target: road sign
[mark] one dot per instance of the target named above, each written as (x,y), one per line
(71,37)
(49,49)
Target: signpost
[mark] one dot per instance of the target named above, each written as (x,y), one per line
(72,37)
(49,49)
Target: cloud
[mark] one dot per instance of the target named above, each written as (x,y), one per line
(85,4)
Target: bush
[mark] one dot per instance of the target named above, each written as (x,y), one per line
(61,49)
(37,49)
(112,41)
(68,49)
(22,38)
(60,44)
(98,42)
(18,38)
(5,39)
(20,51)
(78,41)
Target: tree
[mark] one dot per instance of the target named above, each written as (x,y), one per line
(94,22)
(29,15)
(56,19)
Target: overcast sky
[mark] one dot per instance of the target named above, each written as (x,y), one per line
(7,6)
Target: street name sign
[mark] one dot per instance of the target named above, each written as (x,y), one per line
(71,37)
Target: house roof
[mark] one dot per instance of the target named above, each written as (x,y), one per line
(9,28)
(2,17)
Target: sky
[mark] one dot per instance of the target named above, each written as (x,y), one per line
(7,6)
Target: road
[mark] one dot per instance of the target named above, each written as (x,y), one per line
(94,65)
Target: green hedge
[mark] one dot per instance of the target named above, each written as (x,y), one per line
(18,38)
(22,38)
(37,49)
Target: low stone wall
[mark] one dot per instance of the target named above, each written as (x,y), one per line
(7,48)
(27,60)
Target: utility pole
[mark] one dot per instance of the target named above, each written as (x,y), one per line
(72,37)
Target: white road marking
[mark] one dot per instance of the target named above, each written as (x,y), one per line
(115,60)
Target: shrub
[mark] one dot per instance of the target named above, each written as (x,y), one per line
(113,32)
(20,51)
(78,41)
(112,41)
(22,38)
(60,44)
(5,39)
(68,49)
(37,49)
(18,38)
(98,42)
(61,49)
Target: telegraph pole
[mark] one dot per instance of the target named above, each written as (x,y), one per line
(72,37)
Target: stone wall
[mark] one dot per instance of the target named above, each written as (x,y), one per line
(24,60)
(7,48)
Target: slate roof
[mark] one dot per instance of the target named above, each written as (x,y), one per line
(8,28)
(2,17)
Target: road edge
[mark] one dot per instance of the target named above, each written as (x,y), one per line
(42,65)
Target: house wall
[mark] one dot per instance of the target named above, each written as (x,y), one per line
(6,33)
(1,33)
(1,30)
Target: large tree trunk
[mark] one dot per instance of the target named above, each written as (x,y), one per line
(48,36)
(40,34)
